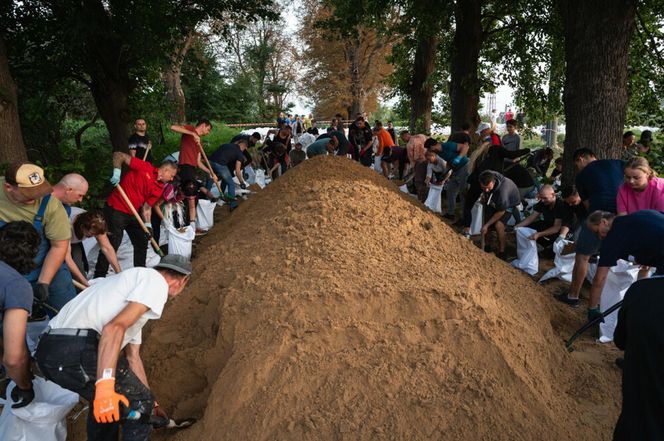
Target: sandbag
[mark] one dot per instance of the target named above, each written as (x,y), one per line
(205,214)
(260,177)
(477,220)
(526,251)
(42,420)
(620,278)
(125,254)
(433,199)
(250,175)
(180,242)
(564,264)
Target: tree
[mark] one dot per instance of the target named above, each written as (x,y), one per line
(595,93)
(109,45)
(174,93)
(11,140)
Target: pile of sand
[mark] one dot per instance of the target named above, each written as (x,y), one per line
(330,306)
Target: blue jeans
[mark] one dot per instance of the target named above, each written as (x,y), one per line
(227,183)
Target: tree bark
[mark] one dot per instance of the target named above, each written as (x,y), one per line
(111,96)
(421,95)
(174,92)
(12,147)
(464,80)
(597,36)
(358,94)
(79,133)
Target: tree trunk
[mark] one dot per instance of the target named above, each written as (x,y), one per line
(421,94)
(11,141)
(464,81)
(112,97)
(597,36)
(174,92)
(357,92)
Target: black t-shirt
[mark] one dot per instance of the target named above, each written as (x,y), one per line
(640,333)
(228,155)
(574,214)
(139,144)
(637,237)
(549,214)
(598,183)
(459,138)
(519,175)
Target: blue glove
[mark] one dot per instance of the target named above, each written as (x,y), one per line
(115,179)
(456,161)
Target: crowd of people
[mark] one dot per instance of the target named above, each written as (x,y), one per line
(90,343)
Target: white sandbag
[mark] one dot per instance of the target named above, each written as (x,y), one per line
(526,251)
(477,220)
(620,278)
(433,199)
(250,174)
(377,167)
(180,242)
(404,188)
(205,214)
(44,419)
(564,264)
(260,177)
(125,255)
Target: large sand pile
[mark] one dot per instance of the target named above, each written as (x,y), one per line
(329,306)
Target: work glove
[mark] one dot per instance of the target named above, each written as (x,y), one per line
(593,313)
(243,186)
(22,397)
(115,179)
(559,239)
(150,232)
(40,292)
(106,406)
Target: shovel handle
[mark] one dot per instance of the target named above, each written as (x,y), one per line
(154,243)
(590,324)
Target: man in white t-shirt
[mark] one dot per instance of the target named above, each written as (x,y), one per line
(92,346)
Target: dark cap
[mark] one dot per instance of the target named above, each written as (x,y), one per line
(175,262)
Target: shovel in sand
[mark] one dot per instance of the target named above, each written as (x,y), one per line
(590,324)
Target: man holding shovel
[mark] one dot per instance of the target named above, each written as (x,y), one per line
(92,347)
(143,185)
(191,158)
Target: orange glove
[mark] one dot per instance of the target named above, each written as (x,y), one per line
(106,406)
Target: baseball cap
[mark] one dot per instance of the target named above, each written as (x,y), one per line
(29,178)
(481,127)
(175,262)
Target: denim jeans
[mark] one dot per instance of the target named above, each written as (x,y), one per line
(71,362)
(226,180)
(457,185)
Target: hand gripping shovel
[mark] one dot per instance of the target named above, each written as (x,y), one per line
(154,243)
(590,324)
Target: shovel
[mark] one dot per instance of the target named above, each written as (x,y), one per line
(590,324)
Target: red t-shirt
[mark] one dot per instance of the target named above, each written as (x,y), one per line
(188,149)
(141,185)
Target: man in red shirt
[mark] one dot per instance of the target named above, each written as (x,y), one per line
(190,158)
(144,185)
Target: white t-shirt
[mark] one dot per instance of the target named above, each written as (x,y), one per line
(75,211)
(104,299)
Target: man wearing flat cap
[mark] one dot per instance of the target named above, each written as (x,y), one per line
(26,196)
(92,347)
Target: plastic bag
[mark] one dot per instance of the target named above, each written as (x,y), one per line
(180,242)
(205,214)
(125,254)
(526,251)
(620,277)
(260,177)
(564,264)
(477,220)
(433,199)
(250,174)
(44,419)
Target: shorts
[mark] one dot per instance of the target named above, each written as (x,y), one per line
(490,211)
(186,172)
(391,154)
(588,243)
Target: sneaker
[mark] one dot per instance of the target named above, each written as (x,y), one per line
(562,297)
(466,236)
(200,232)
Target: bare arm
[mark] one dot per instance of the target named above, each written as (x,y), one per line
(157,208)
(113,334)
(497,215)
(202,166)
(132,352)
(53,261)
(238,172)
(15,356)
(120,158)
(108,251)
(73,268)
(146,212)
(598,285)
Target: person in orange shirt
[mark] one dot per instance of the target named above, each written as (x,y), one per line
(384,140)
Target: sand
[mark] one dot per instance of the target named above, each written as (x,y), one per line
(329,306)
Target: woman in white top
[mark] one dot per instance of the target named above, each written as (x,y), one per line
(88,224)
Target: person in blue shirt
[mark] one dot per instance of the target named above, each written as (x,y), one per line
(19,243)
(637,237)
(597,182)
(456,156)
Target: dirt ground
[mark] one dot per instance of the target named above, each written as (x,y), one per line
(330,306)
